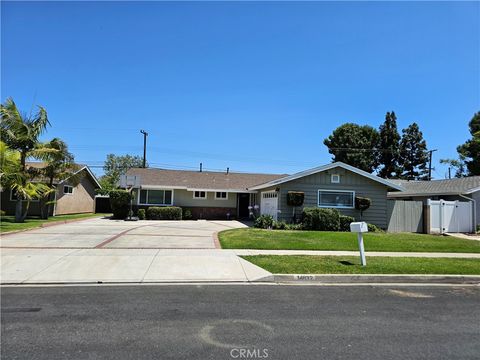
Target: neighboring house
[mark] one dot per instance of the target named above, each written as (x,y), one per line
(457,189)
(69,198)
(216,194)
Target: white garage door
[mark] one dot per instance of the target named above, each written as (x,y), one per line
(269,204)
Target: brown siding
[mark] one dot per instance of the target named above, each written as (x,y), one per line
(81,201)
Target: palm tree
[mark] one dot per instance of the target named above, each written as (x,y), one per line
(11,177)
(59,166)
(21,132)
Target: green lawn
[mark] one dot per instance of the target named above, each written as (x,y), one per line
(375,265)
(324,240)
(7,224)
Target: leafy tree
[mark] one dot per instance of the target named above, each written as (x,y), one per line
(59,166)
(354,145)
(389,146)
(470,150)
(20,132)
(413,154)
(117,165)
(458,164)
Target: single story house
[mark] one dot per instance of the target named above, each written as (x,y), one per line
(457,189)
(69,198)
(226,194)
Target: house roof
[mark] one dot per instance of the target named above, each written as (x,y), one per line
(195,180)
(465,185)
(79,167)
(388,183)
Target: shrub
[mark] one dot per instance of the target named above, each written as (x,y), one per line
(279,225)
(295,198)
(164,213)
(263,222)
(141,214)
(187,214)
(362,204)
(120,203)
(345,222)
(373,228)
(2,213)
(293,227)
(321,219)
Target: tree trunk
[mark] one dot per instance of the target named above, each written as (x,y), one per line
(18,210)
(26,211)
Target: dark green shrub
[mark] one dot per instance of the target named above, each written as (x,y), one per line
(321,219)
(164,213)
(294,227)
(345,222)
(295,198)
(141,214)
(373,228)
(264,222)
(279,225)
(187,214)
(362,204)
(120,203)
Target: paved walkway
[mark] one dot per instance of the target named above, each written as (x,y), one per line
(242,252)
(475,237)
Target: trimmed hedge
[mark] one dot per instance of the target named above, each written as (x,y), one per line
(345,222)
(164,213)
(120,203)
(141,214)
(321,219)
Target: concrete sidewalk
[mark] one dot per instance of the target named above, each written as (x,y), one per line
(26,266)
(247,252)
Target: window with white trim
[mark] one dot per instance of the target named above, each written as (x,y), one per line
(335,179)
(199,194)
(156,197)
(67,189)
(336,199)
(221,195)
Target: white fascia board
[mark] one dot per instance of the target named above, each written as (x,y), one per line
(325,168)
(471,191)
(162,187)
(401,194)
(223,190)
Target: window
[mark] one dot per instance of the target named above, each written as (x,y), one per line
(336,199)
(156,197)
(199,195)
(335,179)
(221,195)
(67,189)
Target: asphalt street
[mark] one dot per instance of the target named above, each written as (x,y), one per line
(239,322)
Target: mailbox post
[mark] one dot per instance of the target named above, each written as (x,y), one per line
(360,228)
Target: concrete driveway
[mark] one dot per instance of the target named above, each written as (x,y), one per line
(102,250)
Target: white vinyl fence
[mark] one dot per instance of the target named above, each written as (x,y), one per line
(450,216)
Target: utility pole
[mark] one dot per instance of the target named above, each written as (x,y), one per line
(145,134)
(430,165)
(449,172)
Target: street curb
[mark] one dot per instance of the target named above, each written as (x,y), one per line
(216,241)
(374,279)
(44,225)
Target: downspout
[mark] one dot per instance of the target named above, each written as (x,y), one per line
(474,222)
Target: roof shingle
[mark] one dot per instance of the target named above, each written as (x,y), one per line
(455,186)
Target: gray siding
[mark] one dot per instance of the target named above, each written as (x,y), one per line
(476,197)
(365,187)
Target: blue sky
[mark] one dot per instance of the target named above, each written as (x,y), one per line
(252,86)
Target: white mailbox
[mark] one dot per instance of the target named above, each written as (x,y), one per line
(359,227)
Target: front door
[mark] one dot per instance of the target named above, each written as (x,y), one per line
(269,204)
(243,203)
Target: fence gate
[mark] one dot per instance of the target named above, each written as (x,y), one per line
(405,216)
(450,216)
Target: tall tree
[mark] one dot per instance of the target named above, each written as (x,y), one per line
(389,147)
(354,145)
(458,164)
(59,166)
(117,165)
(413,159)
(470,150)
(20,132)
